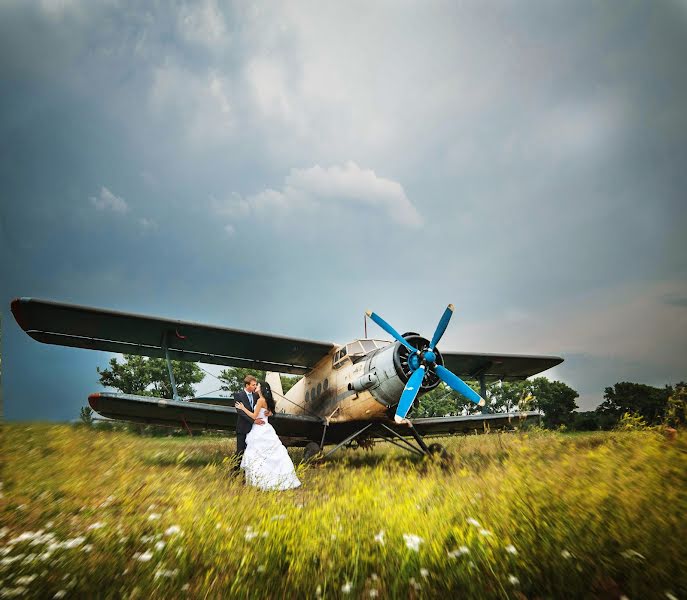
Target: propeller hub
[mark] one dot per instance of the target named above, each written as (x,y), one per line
(429,357)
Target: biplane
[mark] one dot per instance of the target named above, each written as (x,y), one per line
(348,394)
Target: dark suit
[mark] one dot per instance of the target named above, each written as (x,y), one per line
(244,423)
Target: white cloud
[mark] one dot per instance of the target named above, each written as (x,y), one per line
(347,186)
(630,323)
(106,200)
(197,103)
(147,224)
(203,24)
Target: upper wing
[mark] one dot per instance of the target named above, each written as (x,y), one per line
(194,415)
(96,329)
(497,366)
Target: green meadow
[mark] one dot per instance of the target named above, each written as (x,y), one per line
(538,514)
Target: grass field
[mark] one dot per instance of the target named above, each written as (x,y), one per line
(536,515)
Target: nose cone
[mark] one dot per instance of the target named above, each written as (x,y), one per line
(430,357)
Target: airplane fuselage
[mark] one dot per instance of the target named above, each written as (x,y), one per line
(357,381)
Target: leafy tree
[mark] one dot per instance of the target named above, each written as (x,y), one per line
(676,407)
(232,378)
(555,399)
(150,377)
(86,415)
(288,381)
(635,398)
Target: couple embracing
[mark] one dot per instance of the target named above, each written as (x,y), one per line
(263,457)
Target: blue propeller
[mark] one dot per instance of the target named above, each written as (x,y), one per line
(426,359)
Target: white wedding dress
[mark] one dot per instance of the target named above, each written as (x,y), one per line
(266,462)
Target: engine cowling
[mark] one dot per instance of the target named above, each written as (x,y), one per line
(387,371)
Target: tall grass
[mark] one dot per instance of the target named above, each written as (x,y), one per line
(540,514)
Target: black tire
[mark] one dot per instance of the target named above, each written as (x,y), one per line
(437,451)
(310,451)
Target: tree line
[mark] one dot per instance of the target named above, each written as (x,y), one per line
(556,400)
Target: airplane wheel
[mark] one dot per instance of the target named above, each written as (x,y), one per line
(310,451)
(439,452)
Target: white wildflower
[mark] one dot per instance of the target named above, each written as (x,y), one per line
(166,573)
(412,541)
(12,592)
(172,530)
(414,584)
(473,522)
(87,548)
(485,532)
(511,549)
(566,554)
(143,556)
(153,516)
(74,542)
(424,573)
(333,536)
(318,591)
(250,534)
(374,576)
(146,539)
(185,587)
(50,524)
(8,560)
(346,588)
(26,536)
(159,546)
(261,568)
(373,593)
(459,552)
(26,579)
(513,580)
(60,594)
(379,538)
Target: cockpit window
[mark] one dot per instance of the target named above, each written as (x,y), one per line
(354,348)
(368,345)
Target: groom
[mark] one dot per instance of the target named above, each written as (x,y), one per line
(248,397)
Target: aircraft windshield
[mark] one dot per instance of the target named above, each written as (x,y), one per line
(364,346)
(368,345)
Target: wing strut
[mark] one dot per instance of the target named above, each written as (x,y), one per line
(165,347)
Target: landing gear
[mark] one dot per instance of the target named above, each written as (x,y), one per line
(438,452)
(381,430)
(310,451)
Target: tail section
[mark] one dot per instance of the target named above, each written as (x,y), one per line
(274,381)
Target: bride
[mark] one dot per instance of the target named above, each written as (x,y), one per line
(266,461)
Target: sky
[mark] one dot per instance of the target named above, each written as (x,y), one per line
(283,167)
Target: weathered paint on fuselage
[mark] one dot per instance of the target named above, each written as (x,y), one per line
(334,401)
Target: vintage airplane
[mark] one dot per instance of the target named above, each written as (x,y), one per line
(354,393)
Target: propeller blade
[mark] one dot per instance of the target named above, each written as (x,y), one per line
(409,393)
(441,327)
(390,330)
(458,384)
